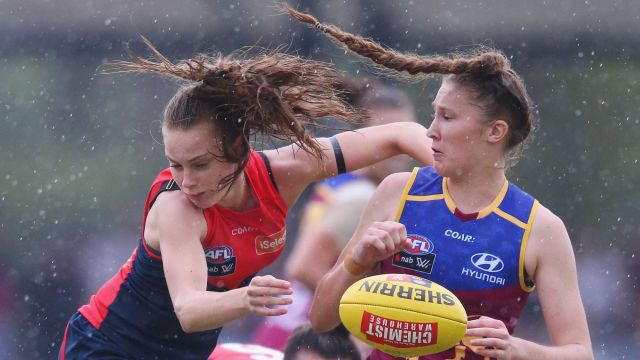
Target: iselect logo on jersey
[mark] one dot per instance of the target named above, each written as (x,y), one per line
(270,244)
(419,256)
(220,260)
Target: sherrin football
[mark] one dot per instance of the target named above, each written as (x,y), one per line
(403,315)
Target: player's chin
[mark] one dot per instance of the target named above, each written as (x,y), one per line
(440,168)
(204,201)
(449,169)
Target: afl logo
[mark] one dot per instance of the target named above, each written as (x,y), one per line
(420,245)
(487,262)
(218,254)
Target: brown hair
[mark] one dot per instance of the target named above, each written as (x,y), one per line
(267,93)
(495,88)
(333,344)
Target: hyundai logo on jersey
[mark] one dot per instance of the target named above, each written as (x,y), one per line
(487,262)
(418,257)
(220,260)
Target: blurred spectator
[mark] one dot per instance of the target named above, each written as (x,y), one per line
(306,344)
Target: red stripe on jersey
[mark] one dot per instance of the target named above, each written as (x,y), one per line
(64,343)
(98,308)
(154,191)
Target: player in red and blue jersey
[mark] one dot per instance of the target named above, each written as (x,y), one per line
(461,223)
(216,217)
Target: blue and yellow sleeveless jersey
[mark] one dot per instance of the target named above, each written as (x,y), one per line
(480,259)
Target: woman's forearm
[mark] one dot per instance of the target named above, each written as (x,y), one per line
(528,350)
(324,314)
(206,310)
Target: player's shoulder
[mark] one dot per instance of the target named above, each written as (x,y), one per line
(549,235)
(396,179)
(547,220)
(174,205)
(392,187)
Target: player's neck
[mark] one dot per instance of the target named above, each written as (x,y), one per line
(475,190)
(240,196)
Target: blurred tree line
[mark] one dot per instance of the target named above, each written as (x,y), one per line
(79,149)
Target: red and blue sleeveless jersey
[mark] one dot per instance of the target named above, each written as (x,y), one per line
(480,259)
(134,308)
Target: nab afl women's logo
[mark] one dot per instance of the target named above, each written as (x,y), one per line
(419,256)
(420,245)
(220,260)
(218,254)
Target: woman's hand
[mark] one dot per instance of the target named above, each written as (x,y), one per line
(379,241)
(490,337)
(264,292)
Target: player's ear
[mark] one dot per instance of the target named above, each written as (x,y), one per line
(497,130)
(239,146)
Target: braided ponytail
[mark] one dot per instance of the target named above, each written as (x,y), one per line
(487,63)
(485,72)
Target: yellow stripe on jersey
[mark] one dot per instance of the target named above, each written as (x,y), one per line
(482,213)
(497,201)
(425,197)
(510,218)
(447,197)
(405,192)
(523,246)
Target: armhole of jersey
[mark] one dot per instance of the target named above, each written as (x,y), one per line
(405,192)
(526,283)
(169,185)
(267,164)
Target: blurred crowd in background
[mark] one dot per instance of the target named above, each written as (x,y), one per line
(78,150)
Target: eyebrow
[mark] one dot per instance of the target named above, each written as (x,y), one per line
(441,106)
(190,160)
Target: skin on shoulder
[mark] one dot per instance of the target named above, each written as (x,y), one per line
(176,206)
(388,196)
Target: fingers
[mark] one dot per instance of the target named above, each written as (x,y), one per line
(270,281)
(381,240)
(488,337)
(265,292)
(487,333)
(260,302)
(485,324)
(388,236)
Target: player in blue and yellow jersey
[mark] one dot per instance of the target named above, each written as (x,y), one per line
(216,217)
(462,223)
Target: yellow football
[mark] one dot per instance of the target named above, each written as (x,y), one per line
(403,315)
